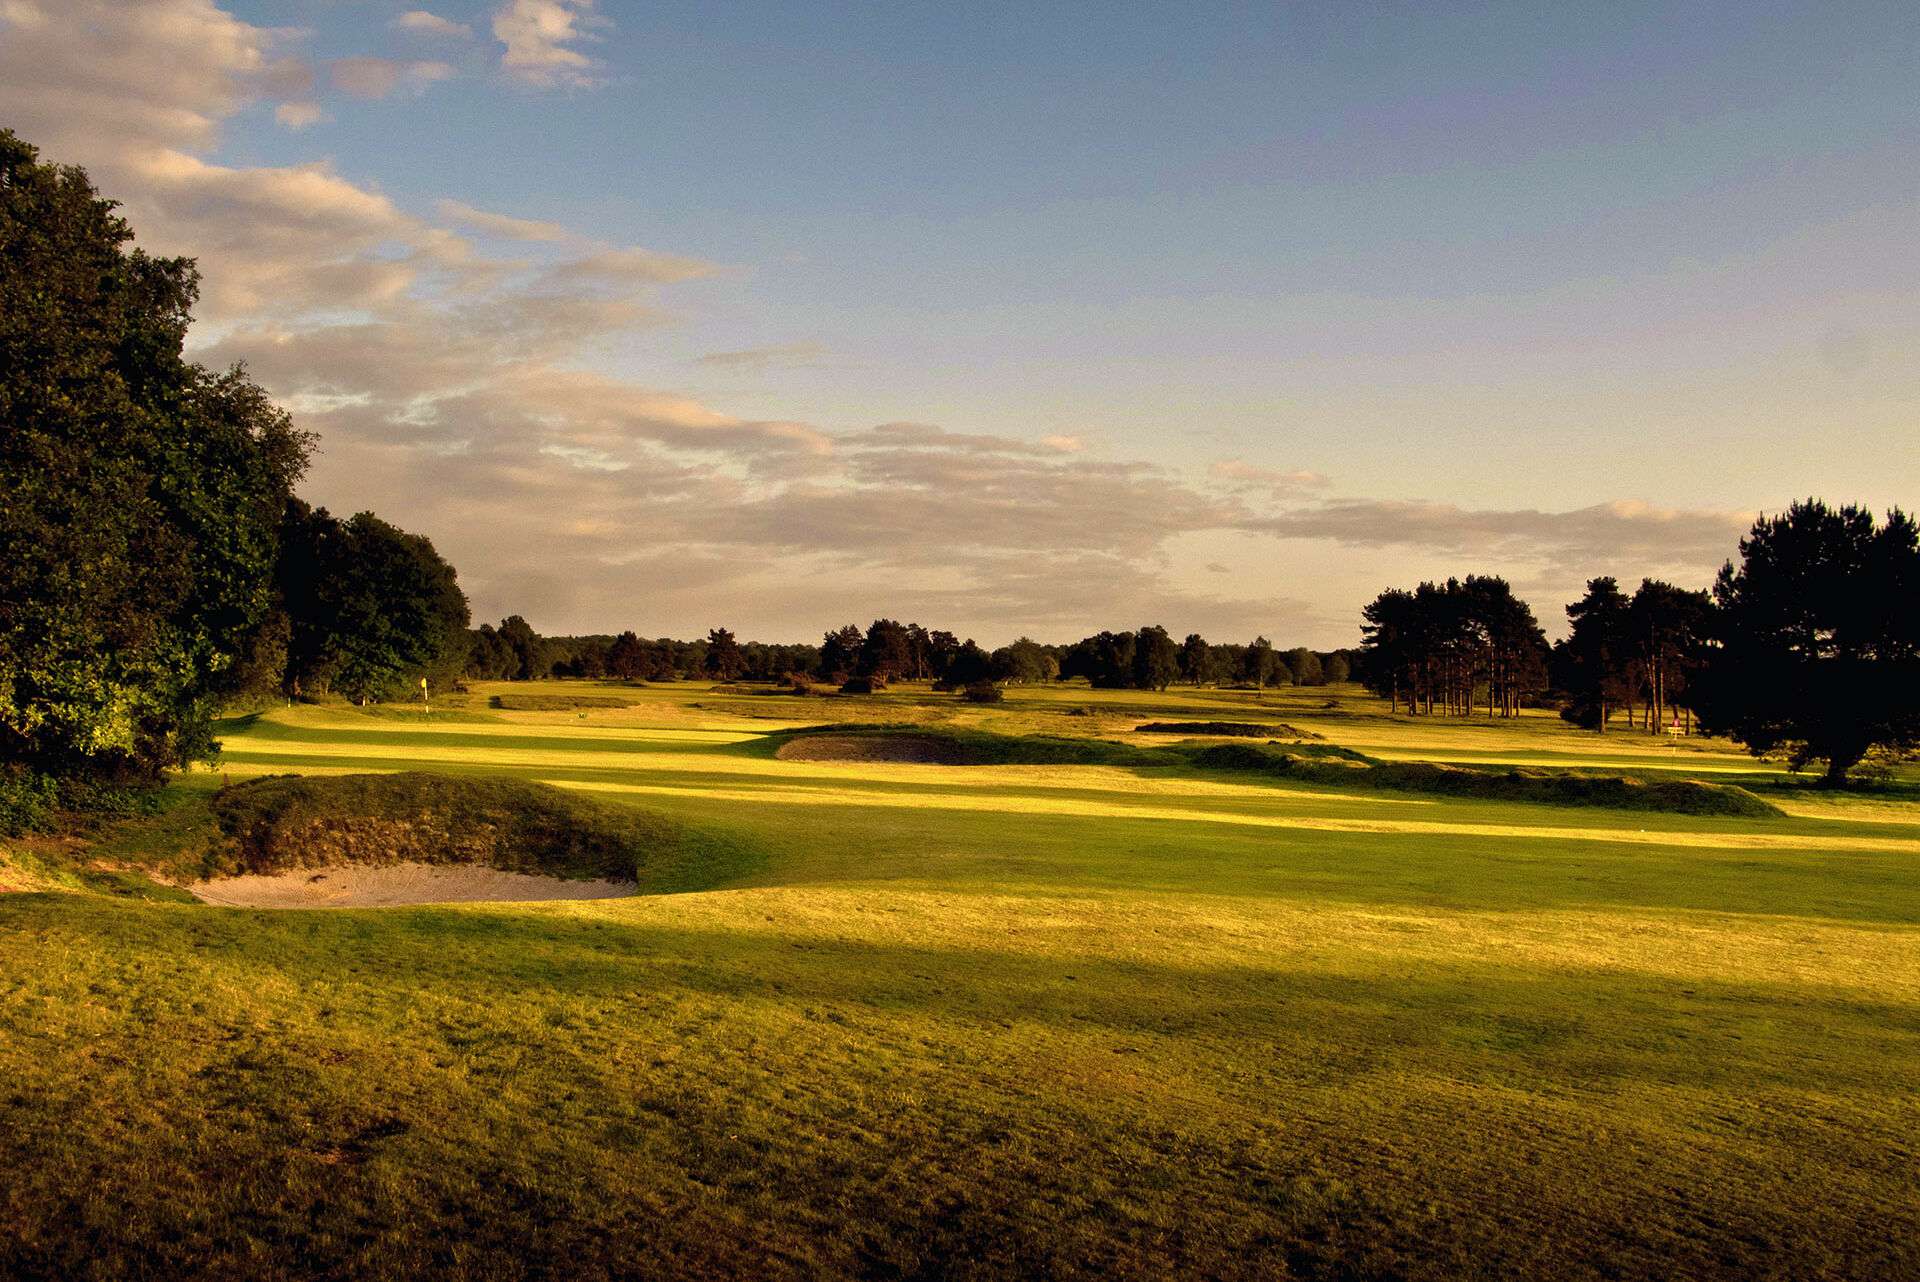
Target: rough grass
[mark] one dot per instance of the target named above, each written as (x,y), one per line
(276,824)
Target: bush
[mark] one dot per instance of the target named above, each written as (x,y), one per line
(983,692)
(864,685)
(27,802)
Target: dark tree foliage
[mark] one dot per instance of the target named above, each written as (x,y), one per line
(1590,665)
(1026,661)
(840,653)
(1196,667)
(374,609)
(887,652)
(1259,663)
(1104,659)
(1304,664)
(1450,647)
(140,495)
(724,661)
(1156,658)
(968,665)
(1818,638)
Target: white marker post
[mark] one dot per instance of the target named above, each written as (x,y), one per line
(423,697)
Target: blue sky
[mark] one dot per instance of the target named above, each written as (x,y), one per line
(1358,293)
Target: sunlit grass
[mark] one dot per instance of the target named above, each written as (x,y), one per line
(1000,1020)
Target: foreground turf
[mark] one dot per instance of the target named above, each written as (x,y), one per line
(993,1021)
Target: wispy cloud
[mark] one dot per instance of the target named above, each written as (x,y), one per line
(780,355)
(503,226)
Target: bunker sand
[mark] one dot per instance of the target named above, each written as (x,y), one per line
(386,885)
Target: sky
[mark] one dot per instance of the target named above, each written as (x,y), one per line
(1030,319)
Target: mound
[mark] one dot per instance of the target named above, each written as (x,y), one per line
(945,746)
(288,824)
(1332,765)
(557,702)
(908,749)
(1236,729)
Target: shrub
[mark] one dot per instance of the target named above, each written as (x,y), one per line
(983,692)
(864,685)
(27,802)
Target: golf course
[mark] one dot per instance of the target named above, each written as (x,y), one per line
(945,990)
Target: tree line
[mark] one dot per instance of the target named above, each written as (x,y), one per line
(1808,646)
(889,650)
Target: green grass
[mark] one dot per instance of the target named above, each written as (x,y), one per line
(1013,1020)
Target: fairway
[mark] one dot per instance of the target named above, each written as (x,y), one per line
(1007,1020)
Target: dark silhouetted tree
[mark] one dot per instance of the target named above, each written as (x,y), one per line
(723,660)
(1818,638)
(1156,658)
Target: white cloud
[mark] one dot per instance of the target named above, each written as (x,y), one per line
(420,22)
(539,36)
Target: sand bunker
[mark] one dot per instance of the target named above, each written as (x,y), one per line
(897,748)
(372,886)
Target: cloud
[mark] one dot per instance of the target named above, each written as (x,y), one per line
(539,36)
(781,355)
(625,269)
(500,225)
(462,392)
(420,22)
(299,115)
(1240,473)
(378,77)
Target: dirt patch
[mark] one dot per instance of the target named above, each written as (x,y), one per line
(904,749)
(373,886)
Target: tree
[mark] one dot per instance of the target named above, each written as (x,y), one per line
(1259,662)
(526,646)
(1025,661)
(1194,655)
(628,657)
(969,665)
(373,608)
(1592,660)
(1337,669)
(140,495)
(1305,666)
(887,651)
(1156,658)
(1818,638)
(840,653)
(723,660)
(1446,643)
